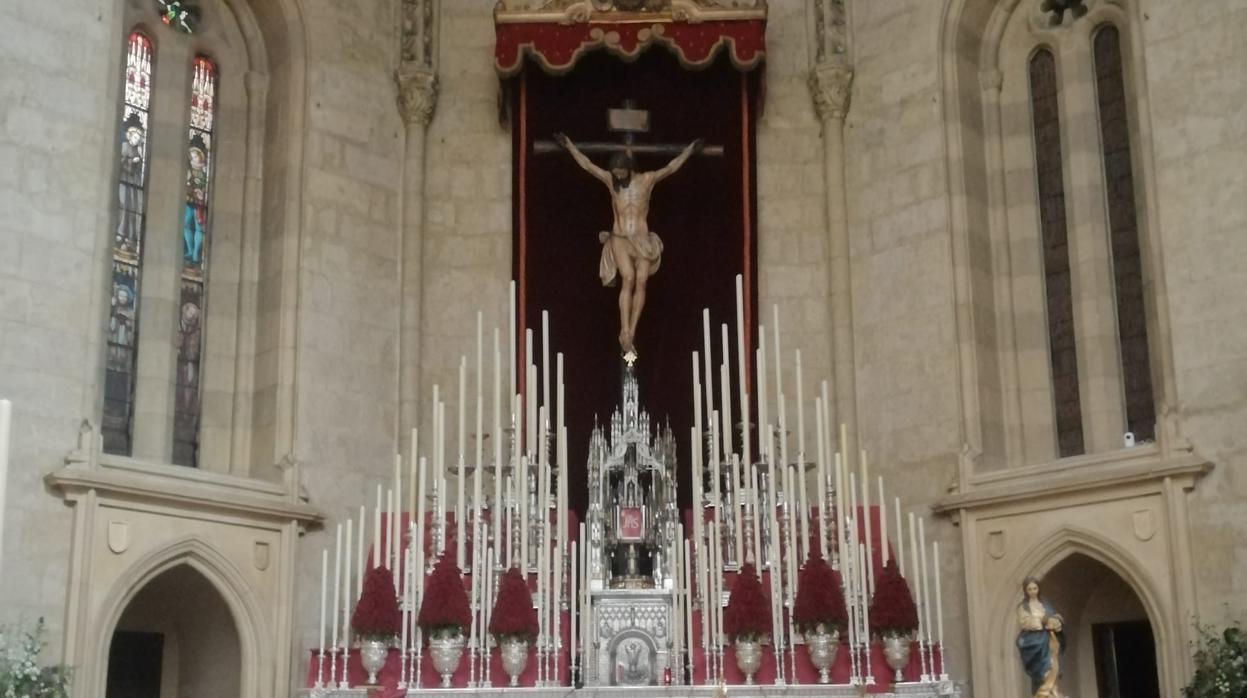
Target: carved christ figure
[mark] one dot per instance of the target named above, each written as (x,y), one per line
(631,252)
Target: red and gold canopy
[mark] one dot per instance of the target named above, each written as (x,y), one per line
(556,33)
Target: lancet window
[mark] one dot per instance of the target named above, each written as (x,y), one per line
(127,257)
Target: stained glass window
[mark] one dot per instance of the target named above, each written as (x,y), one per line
(195,242)
(1124,235)
(123,317)
(1062,350)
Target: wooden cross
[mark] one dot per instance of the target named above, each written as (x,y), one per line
(629,121)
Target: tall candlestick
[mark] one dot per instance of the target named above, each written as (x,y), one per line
(421,504)
(766,439)
(346,585)
(742,356)
(821,489)
(573,604)
(926,596)
(870,560)
(725,385)
(939,610)
(714,464)
(337,582)
(461,480)
(803,505)
(405,608)
(863,565)
(324,587)
(736,507)
(522,554)
(391,547)
(687,583)
(916,578)
(496,513)
(754,493)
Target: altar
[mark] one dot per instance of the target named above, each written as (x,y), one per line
(557,538)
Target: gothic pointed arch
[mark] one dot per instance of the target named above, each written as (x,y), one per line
(249,619)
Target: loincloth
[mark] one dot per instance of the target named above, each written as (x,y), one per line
(647,247)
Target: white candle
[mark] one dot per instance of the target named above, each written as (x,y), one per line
(870,560)
(359,551)
(737,505)
(461,508)
(398,483)
(757,515)
(802,503)
(480,388)
(765,438)
(742,355)
(337,582)
(779,380)
(821,489)
(926,595)
(405,609)
(511,346)
(324,588)
(545,358)
(390,548)
(939,608)
(863,562)
(411,472)
(900,536)
(346,583)
(706,357)
(574,603)
(421,504)
(883,525)
(530,412)
(6,427)
(509,521)
(915,580)
(522,553)
(842,512)
(714,464)
(725,386)
(376,531)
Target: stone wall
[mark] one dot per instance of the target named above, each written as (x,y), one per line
(902,276)
(1193,53)
(57,117)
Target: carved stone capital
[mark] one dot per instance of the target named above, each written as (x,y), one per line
(830,85)
(417,95)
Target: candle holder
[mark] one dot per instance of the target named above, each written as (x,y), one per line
(345,683)
(320,668)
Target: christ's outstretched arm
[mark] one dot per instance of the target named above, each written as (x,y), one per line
(581,159)
(678,161)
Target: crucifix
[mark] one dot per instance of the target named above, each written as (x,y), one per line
(631,252)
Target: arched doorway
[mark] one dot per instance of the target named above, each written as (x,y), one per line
(176,636)
(1110,646)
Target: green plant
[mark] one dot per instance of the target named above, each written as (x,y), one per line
(20,673)
(1220,664)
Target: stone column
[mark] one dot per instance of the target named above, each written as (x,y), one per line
(417,98)
(249,276)
(829,85)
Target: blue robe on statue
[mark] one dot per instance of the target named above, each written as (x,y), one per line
(1035,649)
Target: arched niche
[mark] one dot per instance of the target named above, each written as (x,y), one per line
(1082,569)
(181,612)
(205,571)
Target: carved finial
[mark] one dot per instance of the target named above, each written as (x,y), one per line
(829,86)
(417,95)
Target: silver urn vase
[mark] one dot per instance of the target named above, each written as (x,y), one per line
(748,658)
(822,647)
(514,651)
(896,651)
(446,649)
(372,654)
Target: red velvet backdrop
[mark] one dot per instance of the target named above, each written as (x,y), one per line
(704,213)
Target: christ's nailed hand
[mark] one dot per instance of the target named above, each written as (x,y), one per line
(561,139)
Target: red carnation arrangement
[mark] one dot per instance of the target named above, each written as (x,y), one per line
(892,610)
(748,612)
(820,600)
(444,609)
(513,615)
(376,615)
